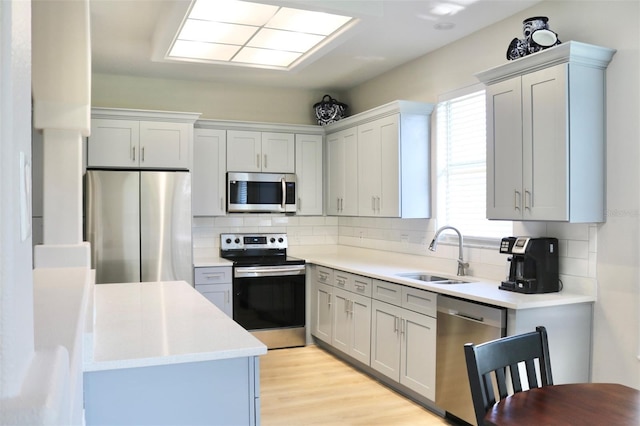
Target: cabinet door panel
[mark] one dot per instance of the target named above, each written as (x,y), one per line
(418,365)
(335,173)
(389,202)
(350,207)
(340,331)
(244,151)
(385,340)
(278,153)
(369,165)
(323,312)
(309,174)
(545,144)
(219,295)
(342,173)
(164,145)
(113,143)
(361,328)
(504,150)
(208,172)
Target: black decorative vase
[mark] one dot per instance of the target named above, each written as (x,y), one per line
(537,36)
(329,110)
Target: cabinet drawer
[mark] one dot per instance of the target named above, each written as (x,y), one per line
(361,285)
(387,292)
(421,301)
(341,279)
(324,275)
(215,275)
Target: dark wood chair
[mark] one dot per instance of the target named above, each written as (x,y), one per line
(497,362)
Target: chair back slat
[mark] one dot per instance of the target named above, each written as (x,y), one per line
(514,373)
(532,378)
(499,361)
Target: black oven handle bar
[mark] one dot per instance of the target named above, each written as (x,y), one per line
(268,271)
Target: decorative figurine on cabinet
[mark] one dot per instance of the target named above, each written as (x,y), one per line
(329,110)
(537,36)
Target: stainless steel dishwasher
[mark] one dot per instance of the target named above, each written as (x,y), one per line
(460,322)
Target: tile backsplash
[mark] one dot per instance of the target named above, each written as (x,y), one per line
(577,242)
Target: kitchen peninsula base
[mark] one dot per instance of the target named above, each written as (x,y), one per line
(208,392)
(162,354)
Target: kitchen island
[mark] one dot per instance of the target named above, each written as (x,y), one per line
(160,353)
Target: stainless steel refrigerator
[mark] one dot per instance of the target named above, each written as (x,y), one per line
(139,225)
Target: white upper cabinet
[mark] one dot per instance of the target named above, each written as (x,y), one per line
(386,150)
(254,151)
(233,146)
(546,135)
(278,152)
(244,151)
(309,174)
(140,139)
(379,168)
(208,172)
(342,173)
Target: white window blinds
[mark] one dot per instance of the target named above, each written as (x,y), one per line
(461,168)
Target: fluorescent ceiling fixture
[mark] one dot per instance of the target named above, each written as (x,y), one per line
(253,34)
(277,58)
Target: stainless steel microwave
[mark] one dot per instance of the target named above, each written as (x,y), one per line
(261,192)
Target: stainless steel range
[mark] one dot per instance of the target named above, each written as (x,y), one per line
(268,288)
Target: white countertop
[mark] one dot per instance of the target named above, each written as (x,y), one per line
(385,266)
(150,324)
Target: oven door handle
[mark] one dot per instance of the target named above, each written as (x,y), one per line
(268,271)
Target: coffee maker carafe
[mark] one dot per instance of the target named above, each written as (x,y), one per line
(534,265)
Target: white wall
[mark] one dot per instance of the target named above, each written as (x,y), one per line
(16,286)
(212,100)
(607,251)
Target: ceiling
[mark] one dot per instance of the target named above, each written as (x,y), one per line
(127,34)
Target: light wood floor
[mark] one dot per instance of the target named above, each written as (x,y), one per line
(308,386)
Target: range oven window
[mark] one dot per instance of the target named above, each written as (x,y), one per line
(269,302)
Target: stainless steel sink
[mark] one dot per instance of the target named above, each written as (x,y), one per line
(427,277)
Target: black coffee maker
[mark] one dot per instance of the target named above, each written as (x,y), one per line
(534,265)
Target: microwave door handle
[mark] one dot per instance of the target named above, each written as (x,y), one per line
(284,193)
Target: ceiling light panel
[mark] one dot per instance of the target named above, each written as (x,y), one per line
(305,21)
(206,51)
(252,55)
(242,32)
(284,40)
(216,32)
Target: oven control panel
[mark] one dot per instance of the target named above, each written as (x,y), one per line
(252,241)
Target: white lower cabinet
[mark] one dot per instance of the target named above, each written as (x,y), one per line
(215,283)
(386,326)
(403,347)
(321,303)
(323,316)
(351,331)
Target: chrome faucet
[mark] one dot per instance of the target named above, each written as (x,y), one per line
(462,265)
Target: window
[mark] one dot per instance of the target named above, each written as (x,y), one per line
(461,168)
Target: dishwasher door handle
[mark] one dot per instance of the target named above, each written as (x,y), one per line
(466,316)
